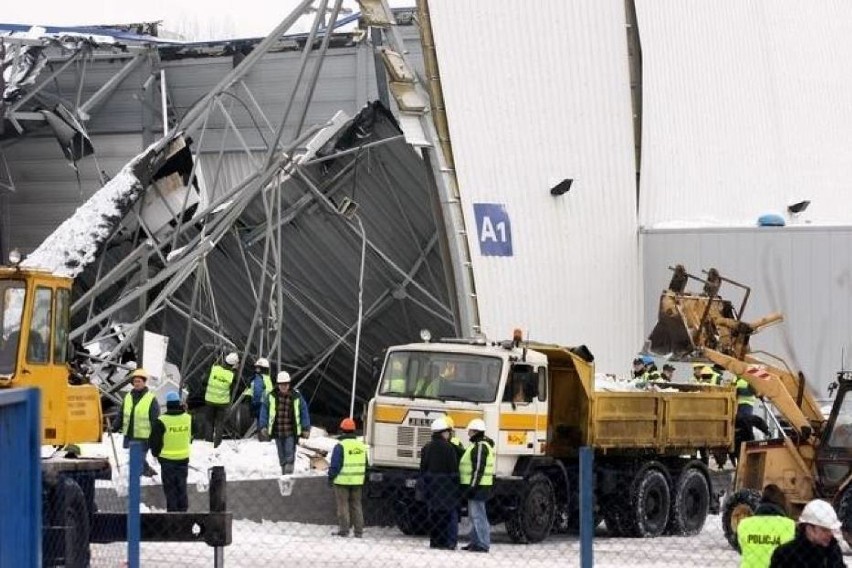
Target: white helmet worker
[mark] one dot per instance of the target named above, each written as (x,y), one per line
(439,425)
(283,378)
(263,363)
(477,424)
(820,513)
(232,359)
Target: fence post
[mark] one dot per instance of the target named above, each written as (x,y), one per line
(20,478)
(133,499)
(218,500)
(587,507)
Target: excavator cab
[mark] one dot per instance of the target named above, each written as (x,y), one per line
(34,352)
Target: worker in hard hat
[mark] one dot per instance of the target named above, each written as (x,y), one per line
(815,544)
(139,410)
(439,478)
(709,376)
(285,418)
(346,474)
(454,440)
(476,475)
(258,390)
(217,396)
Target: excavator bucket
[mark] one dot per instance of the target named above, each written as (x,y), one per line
(690,321)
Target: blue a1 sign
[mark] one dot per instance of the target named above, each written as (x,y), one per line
(493,229)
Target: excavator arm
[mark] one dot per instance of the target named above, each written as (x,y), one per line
(703,326)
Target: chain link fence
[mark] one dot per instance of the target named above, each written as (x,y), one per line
(292,519)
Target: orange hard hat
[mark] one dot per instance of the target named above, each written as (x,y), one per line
(347,425)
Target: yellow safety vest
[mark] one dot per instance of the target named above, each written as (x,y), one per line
(140,412)
(267,387)
(760,535)
(749,399)
(297,412)
(466,466)
(219,385)
(456,441)
(177,437)
(354,463)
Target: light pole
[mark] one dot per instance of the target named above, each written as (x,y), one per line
(348,209)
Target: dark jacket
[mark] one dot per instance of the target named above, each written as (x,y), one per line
(801,553)
(153,413)
(304,417)
(478,458)
(158,430)
(439,474)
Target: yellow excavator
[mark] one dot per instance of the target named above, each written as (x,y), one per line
(811,456)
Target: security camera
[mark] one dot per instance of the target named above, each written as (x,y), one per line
(795,208)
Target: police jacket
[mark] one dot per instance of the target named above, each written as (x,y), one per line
(340,462)
(158,431)
(439,473)
(760,534)
(801,553)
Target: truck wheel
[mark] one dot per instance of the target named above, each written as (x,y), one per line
(533,519)
(737,507)
(412,518)
(651,504)
(690,504)
(71,513)
(844,513)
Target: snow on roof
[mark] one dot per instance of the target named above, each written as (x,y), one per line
(74,244)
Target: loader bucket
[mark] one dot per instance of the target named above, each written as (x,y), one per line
(670,336)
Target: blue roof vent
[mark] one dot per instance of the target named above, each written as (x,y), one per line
(770,220)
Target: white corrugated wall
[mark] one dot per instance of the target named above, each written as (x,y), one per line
(537,92)
(745,109)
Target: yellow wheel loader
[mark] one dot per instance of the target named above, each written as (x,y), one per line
(811,454)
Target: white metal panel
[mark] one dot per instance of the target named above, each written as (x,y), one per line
(745,109)
(803,272)
(533,99)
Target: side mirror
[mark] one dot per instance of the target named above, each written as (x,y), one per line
(375,368)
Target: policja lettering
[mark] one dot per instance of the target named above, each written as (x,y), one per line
(772,539)
(178,429)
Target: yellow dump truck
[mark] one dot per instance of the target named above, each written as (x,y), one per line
(540,406)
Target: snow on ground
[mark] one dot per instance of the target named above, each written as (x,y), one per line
(243,459)
(293,544)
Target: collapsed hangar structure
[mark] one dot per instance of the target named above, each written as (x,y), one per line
(267,208)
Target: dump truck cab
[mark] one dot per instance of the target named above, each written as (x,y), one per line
(506,386)
(34,352)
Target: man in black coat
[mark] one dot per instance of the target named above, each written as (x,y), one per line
(814,545)
(439,471)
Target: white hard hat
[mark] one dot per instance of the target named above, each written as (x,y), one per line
(439,425)
(477,424)
(821,514)
(283,378)
(262,362)
(232,358)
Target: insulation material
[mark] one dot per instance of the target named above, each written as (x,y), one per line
(532,100)
(745,111)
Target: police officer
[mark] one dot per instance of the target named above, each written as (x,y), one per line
(217,397)
(769,527)
(346,474)
(171,437)
(139,411)
(476,475)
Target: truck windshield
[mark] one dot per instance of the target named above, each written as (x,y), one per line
(11,311)
(442,376)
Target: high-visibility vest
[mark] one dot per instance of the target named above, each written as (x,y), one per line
(456,441)
(140,411)
(466,465)
(297,411)
(219,385)
(760,535)
(748,399)
(177,437)
(354,466)
(267,387)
